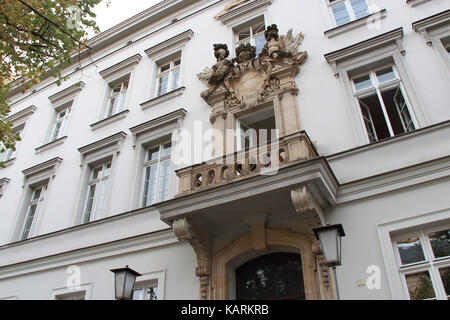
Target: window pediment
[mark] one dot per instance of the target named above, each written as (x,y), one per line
(393,36)
(436,21)
(113,140)
(66,94)
(22,115)
(124,65)
(240,8)
(46,167)
(176,41)
(164,120)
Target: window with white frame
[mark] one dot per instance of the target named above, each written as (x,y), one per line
(383,103)
(168,77)
(147,290)
(62,117)
(251,32)
(157,174)
(256,128)
(10,153)
(345,11)
(34,205)
(97,188)
(117,96)
(423,259)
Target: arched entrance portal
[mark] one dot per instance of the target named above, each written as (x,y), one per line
(274,276)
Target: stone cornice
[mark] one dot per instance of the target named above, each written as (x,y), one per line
(414,3)
(244,9)
(114,139)
(50,144)
(158,122)
(437,20)
(4,181)
(44,166)
(175,41)
(393,36)
(66,93)
(433,21)
(21,115)
(126,64)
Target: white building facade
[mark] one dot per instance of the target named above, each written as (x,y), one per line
(361,109)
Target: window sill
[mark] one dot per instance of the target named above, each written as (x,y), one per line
(167,96)
(9,162)
(356,23)
(50,145)
(110,119)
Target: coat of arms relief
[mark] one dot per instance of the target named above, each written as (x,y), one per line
(249,80)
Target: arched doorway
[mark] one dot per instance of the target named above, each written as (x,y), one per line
(274,276)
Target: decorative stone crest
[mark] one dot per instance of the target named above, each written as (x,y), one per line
(249,80)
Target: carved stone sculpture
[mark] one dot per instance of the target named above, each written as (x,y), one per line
(249,80)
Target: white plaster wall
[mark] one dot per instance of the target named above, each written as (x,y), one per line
(361,245)
(180,280)
(323,111)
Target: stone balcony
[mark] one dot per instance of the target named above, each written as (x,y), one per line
(264,159)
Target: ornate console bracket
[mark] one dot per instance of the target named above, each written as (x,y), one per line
(185,230)
(305,204)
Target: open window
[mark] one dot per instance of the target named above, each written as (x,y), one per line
(256,128)
(383,103)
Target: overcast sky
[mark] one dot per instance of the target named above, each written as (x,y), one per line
(118,11)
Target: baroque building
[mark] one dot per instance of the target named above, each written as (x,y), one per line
(200,142)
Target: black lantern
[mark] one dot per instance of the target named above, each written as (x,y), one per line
(330,238)
(124,282)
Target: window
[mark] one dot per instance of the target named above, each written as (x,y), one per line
(34,205)
(168,76)
(97,188)
(446,43)
(423,258)
(256,128)
(251,32)
(156,174)
(8,154)
(117,96)
(146,291)
(383,105)
(61,120)
(345,11)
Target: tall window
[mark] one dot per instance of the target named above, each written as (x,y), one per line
(168,76)
(251,32)
(34,206)
(157,174)
(423,258)
(117,98)
(8,154)
(383,105)
(97,188)
(345,11)
(61,120)
(446,43)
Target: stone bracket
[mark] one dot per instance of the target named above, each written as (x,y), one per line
(185,230)
(306,204)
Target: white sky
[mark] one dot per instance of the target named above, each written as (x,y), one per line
(118,11)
